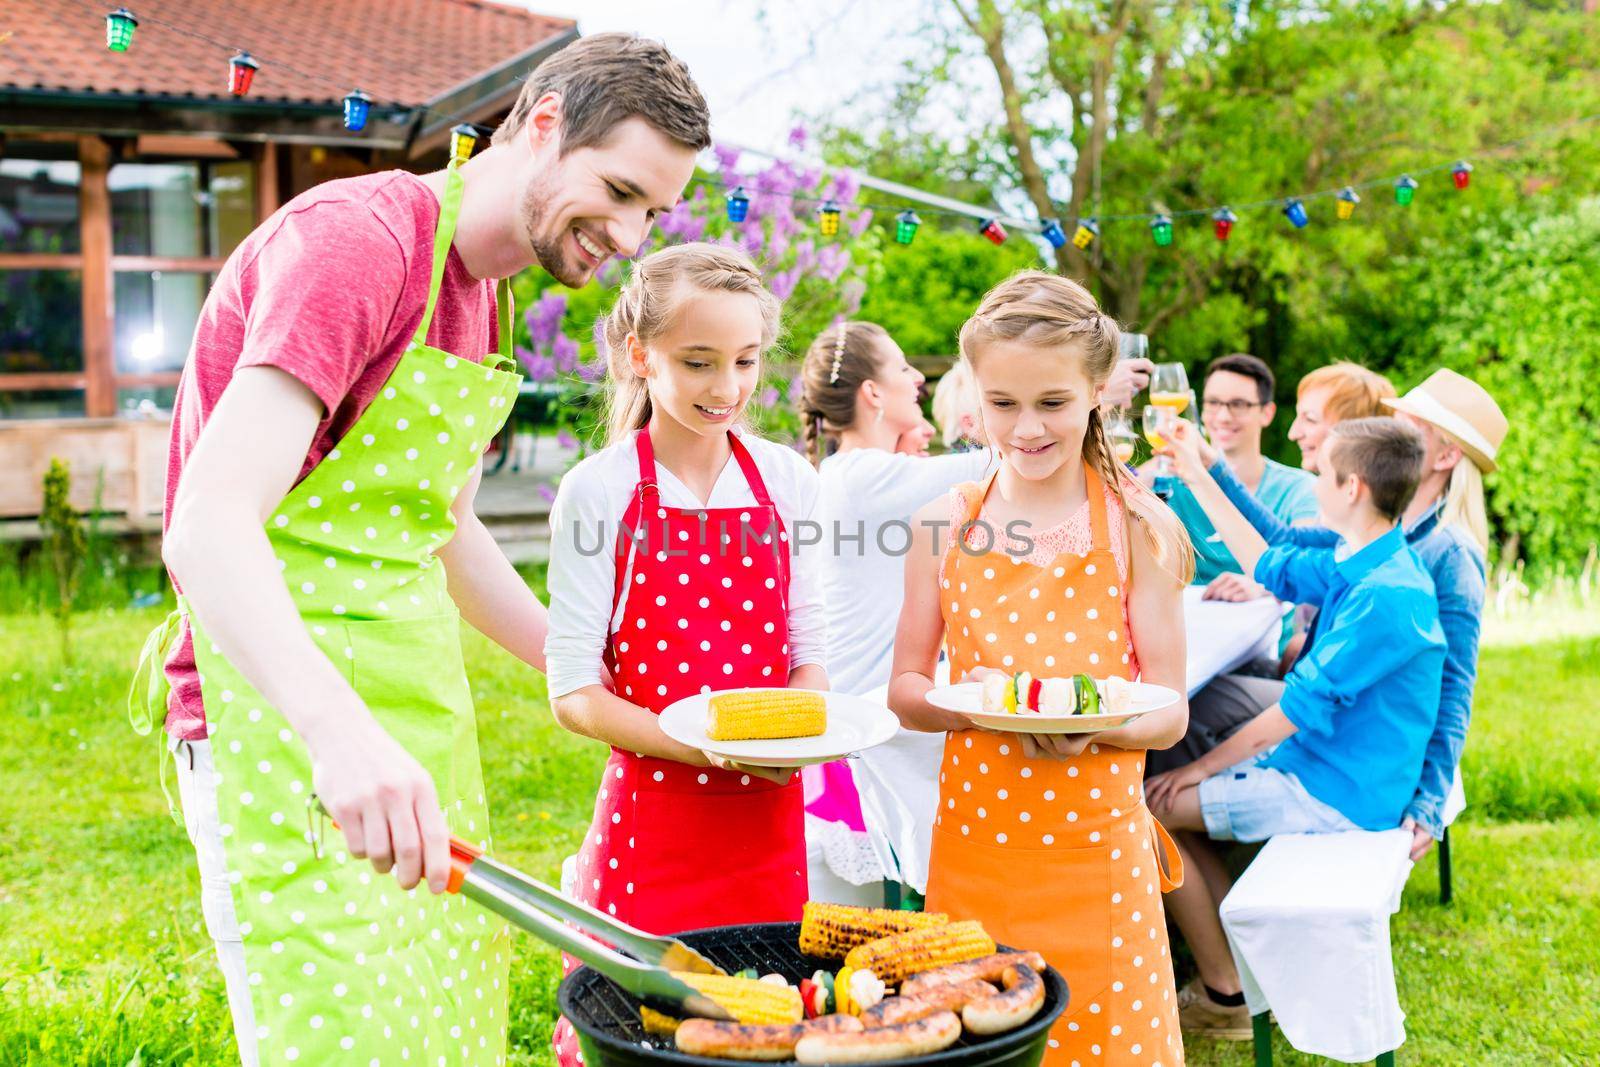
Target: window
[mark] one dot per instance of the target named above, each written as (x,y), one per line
(155,313)
(39,199)
(188,209)
(41,330)
(67,345)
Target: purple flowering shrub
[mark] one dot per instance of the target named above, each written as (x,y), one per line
(819,279)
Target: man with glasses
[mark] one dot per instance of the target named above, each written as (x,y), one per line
(1235,407)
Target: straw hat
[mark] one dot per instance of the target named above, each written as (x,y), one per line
(1461,408)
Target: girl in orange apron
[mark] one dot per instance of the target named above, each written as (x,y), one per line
(698,596)
(1047,839)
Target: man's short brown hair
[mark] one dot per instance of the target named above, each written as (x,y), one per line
(1385,453)
(608,78)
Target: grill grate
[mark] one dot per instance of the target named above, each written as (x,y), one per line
(609,1017)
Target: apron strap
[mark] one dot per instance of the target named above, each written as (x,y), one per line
(975,505)
(1169,863)
(444,233)
(752,474)
(147,695)
(646,454)
(1099,528)
(758,489)
(502,359)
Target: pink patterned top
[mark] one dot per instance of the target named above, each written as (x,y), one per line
(1071,536)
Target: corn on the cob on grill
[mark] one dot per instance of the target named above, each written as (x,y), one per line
(749,1001)
(896,957)
(766,713)
(657,1024)
(830,931)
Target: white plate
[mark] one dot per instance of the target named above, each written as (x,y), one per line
(966,698)
(853,724)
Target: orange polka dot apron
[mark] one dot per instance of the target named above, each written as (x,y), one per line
(1061,856)
(674,847)
(345,966)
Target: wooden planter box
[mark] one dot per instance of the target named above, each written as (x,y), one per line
(118,466)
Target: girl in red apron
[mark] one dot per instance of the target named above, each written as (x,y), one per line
(1058,565)
(671,571)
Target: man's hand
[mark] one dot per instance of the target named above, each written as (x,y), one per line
(1128,378)
(381,798)
(1421,839)
(1233,587)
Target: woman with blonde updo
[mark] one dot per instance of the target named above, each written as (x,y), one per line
(1058,563)
(670,571)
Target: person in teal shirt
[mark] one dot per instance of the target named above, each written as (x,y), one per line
(1235,407)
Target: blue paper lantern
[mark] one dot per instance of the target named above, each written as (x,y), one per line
(1054,233)
(357,105)
(1295,212)
(738,205)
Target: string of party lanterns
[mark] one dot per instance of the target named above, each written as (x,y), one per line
(242,67)
(464,137)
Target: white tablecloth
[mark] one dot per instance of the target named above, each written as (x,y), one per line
(1223,635)
(899,781)
(1309,926)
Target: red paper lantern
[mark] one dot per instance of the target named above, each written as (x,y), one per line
(241,72)
(1222,223)
(992,229)
(1462,173)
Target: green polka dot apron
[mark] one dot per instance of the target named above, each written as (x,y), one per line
(344,966)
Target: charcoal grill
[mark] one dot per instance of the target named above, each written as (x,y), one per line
(611,1035)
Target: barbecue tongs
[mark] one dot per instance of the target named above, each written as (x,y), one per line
(546,914)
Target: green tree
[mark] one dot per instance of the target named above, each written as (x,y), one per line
(1512,305)
(923,292)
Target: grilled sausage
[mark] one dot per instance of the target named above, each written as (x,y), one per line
(920,1038)
(988,968)
(934,999)
(735,1041)
(1021,1001)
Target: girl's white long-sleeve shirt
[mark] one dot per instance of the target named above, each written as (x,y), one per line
(588,510)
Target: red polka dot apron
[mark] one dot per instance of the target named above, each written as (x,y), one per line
(674,847)
(344,965)
(1061,856)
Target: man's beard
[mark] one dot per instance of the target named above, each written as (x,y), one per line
(550,252)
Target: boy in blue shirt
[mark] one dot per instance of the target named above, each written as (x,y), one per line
(1344,746)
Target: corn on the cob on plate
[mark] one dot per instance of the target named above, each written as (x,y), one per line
(898,956)
(747,999)
(830,931)
(763,714)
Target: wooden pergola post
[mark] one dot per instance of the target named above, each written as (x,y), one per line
(94,200)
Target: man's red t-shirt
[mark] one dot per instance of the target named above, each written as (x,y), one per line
(330,290)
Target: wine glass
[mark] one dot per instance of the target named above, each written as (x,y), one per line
(1132,346)
(1157,420)
(1122,437)
(1169,387)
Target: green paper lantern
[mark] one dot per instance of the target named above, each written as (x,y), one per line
(1405,190)
(905,226)
(1161,230)
(119,29)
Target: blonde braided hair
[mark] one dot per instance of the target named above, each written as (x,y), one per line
(1057,314)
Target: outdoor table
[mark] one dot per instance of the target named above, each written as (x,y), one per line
(899,787)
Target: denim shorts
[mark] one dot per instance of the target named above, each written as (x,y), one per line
(1250,802)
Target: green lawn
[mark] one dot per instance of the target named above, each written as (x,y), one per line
(103,959)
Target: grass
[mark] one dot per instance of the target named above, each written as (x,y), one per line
(103,959)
